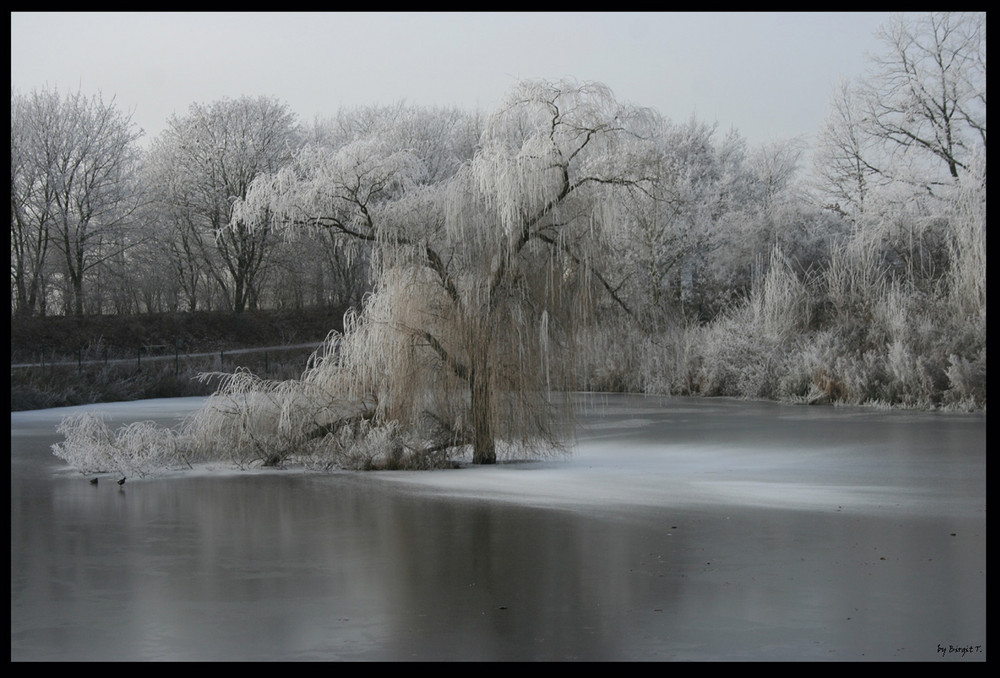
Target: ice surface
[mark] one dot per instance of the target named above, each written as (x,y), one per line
(677,529)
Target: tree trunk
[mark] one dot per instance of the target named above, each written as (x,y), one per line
(484,448)
(239,295)
(77,282)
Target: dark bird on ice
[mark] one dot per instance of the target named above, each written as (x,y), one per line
(121,480)
(93,481)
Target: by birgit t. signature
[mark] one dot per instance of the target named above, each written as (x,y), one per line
(959,649)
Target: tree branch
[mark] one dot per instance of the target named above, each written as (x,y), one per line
(607,286)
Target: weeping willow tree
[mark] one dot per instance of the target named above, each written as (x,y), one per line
(483,278)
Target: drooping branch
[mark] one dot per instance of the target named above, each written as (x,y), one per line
(437,265)
(328,429)
(613,291)
(460,370)
(433,259)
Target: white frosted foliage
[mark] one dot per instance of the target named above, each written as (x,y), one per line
(483,277)
(135,450)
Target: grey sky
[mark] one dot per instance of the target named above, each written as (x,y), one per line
(768,74)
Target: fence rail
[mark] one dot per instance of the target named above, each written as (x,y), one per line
(145,354)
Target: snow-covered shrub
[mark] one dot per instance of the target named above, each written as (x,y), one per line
(742,353)
(367,446)
(663,363)
(808,370)
(89,444)
(779,306)
(862,375)
(734,358)
(966,382)
(854,279)
(612,358)
(967,272)
(908,381)
(136,450)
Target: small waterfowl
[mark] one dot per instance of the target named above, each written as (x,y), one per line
(93,481)
(121,481)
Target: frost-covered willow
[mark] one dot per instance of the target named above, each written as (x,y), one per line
(139,449)
(483,277)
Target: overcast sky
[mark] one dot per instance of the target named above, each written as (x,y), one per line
(768,74)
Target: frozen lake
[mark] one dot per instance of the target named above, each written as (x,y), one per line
(679,529)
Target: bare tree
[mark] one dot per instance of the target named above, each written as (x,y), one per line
(699,181)
(900,139)
(204,162)
(31,203)
(845,162)
(174,232)
(915,119)
(927,94)
(74,182)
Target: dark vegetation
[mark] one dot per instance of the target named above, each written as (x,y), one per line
(94,359)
